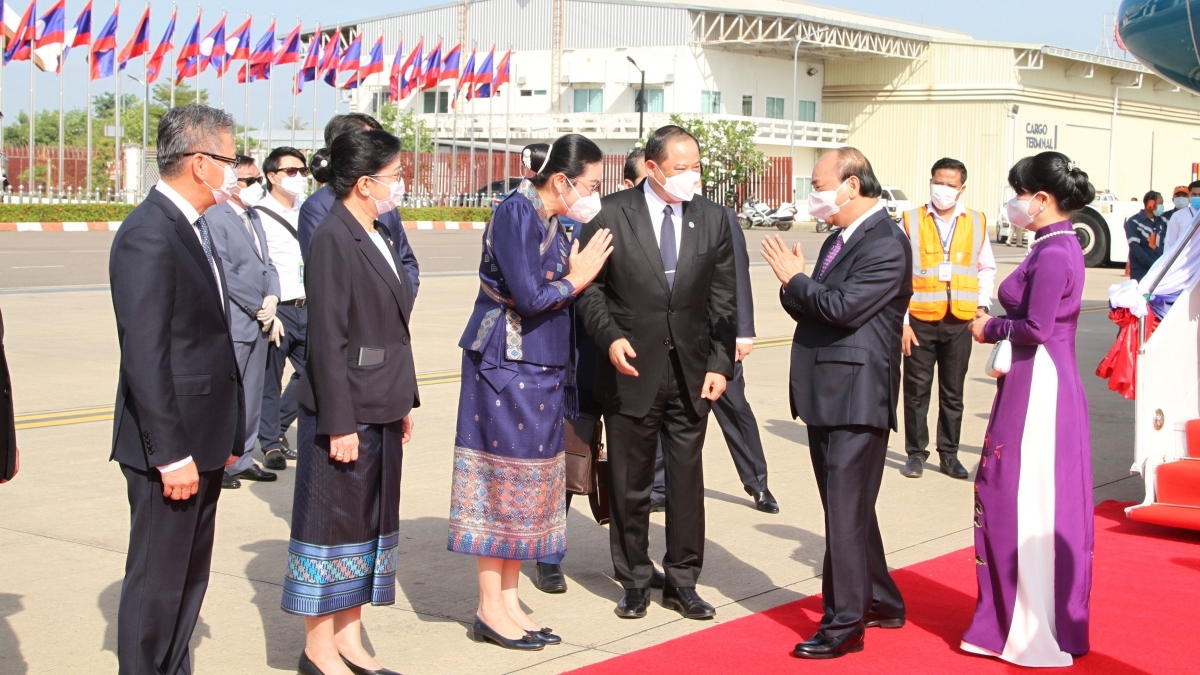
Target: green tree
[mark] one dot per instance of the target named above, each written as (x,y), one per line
(45,128)
(729,155)
(404,125)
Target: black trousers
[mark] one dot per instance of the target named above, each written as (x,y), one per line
(848,463)
(632,442)
(279,410)
(947,345)
(166,573)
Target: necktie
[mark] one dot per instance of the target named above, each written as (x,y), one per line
(250,228)
(666,246)
(206,244)
(837,246)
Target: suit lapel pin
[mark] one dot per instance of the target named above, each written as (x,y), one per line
(691,224)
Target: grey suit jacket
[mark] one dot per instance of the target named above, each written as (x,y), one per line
(250,277)
(741,263)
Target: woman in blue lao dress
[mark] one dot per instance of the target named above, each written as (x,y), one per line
(508,495)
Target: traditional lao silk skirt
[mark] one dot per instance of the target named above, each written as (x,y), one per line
(508,497)
(345,521)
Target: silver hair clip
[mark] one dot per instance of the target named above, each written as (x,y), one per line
(526,159)
(546,161)
(1070,165)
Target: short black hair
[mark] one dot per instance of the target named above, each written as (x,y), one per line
(187,130)
(340,124)
(318,166)
(359,153)
(1194,184)
(570,155)
(1055,174)
(271,163)
(656,146)
(951,165)
(632,165)
(1152,195)
(245,160)
(852,162)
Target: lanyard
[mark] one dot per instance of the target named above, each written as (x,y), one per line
(949,239)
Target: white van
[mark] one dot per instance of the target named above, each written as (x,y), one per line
(895,201)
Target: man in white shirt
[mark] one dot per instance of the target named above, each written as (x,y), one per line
(1181,220)
(954,274)
(287,181)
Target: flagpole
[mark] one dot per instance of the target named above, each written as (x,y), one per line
(89,124)
(315,43)
(61,140)
(491,97)
(507,112)
(32,182)
(145,120)
(270,89)
(171,58)
(117,130)
(246,116)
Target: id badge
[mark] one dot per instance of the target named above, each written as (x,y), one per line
(944,272)
(300,272)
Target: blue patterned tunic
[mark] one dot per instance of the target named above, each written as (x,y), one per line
(508,492)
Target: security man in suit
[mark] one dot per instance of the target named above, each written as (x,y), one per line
(179,414)
(845,383)
(241,244)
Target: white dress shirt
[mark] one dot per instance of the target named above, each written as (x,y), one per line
(1181,222)
(656,206)
(849,231)
(246,220)
(986,265)
(386,250)
(284,248)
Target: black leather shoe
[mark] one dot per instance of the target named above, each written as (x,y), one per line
(306,666)
(914,467)
(550,579)
(873,620)
(764,501)
(657,505)
(284,442)
(256,473)
(658,579)
(829,648)
(359,670)
(634,604)
(480,632)
(274,460)
(687,602)
(952,467)
(289,453)
(545,635)
(229,482)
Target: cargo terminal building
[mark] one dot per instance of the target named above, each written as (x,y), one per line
(810,78)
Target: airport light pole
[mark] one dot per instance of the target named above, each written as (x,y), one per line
(641,97)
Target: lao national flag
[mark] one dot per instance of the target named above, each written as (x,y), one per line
(450,64)
(289,51)
(373,65)
(503,73)
(212,49)
(467,79)
(433,68)
(352,56)
(51,41)
(261,57)
(22,44)
(394,75)
(104,48)
(409,81)
(139,44)
(483,77)
(237,47)
(81,34)
(308,71)
(332,58)
(187,64)
(12,23)
(154,67)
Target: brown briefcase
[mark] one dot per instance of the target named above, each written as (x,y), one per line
(587,470)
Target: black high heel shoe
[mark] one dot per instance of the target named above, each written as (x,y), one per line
(481,632)
(545,635)
(359,670)
(306,666)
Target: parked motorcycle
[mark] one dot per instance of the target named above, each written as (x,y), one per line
(757,214)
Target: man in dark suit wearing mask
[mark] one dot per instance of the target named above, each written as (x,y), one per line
(663,315)
(845,384)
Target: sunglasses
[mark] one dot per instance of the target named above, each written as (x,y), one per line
(255,180)
(231,161)
(293,171)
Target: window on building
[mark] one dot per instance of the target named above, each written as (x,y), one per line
(748,105)
(589,100)
(527,92)
(806,111)
(803,188)
(539,92)
(442,98)
(775,107)
(710,102)
(654,100)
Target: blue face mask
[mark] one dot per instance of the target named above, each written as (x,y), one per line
(1158,210)
(1195,203)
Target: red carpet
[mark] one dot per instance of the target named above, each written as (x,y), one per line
(1145,618)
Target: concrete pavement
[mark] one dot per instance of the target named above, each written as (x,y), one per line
(65,525)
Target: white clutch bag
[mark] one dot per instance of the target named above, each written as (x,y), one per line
(1000,360)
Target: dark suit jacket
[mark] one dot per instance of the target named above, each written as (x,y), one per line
(846,350)
(179,391)
(741,262)
(630,299)
(8,425)
(355,301)
(251,275)
(312,214)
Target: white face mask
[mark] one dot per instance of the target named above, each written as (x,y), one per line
(251,195)
(943,196)
(297,185)
(1180,202)
(584,208)
(823,204)
(389,203)
(681,186)
(229,183)
(1018,214)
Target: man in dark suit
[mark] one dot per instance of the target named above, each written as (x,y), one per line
(663,312)
(241,244)
(845,384)
(313,210)
(179,410)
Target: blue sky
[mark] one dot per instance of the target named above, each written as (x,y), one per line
(1077,24)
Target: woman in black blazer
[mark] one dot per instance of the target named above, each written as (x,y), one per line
(355,400)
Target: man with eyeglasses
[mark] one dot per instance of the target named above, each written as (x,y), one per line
(241,244)
(287,183)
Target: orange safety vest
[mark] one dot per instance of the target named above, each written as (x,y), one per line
(932,298)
